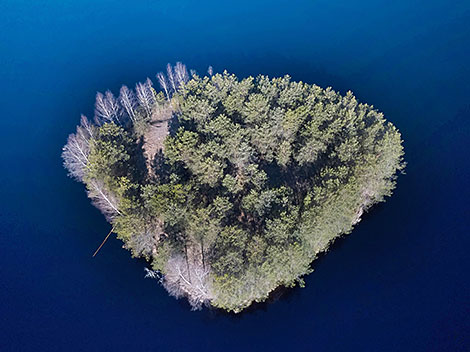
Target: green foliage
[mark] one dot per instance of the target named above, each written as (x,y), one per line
(109,152)
(262,175)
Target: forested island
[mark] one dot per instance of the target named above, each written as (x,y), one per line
(231,188)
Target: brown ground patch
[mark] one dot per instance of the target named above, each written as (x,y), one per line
(156,134)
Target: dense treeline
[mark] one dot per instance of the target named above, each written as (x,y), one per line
(232,187)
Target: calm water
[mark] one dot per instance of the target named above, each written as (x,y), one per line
(400,283)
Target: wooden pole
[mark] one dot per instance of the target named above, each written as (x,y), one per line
(101,245)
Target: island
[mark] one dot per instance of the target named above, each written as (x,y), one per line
(231,188)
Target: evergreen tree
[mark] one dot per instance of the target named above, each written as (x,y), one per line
(255,178)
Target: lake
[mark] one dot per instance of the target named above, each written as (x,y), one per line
(399,282)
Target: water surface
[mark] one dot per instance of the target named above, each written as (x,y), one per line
(399,282)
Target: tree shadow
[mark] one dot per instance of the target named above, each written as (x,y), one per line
(138,159)
(161,170)
(173,125)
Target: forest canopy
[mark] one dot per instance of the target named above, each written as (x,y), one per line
(231,188)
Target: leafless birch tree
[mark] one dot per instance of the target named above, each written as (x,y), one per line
(153,274)
(171,76)
(144,243)
(146,96)
(164,84)
(75,152)
(104,200)
(192,281)
(129,102)
(181,74)
(107,108)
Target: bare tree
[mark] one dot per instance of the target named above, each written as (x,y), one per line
(164,84)
(129,102)
(153,274)
(176,77)
(146,96)
(104,200)
(181,74)
(192,281)
(102,114)
(171,77)
(75,152)
(107,108)
(87,129)
(144,243)
(113,105)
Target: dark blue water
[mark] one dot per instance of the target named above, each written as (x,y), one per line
(400,282)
